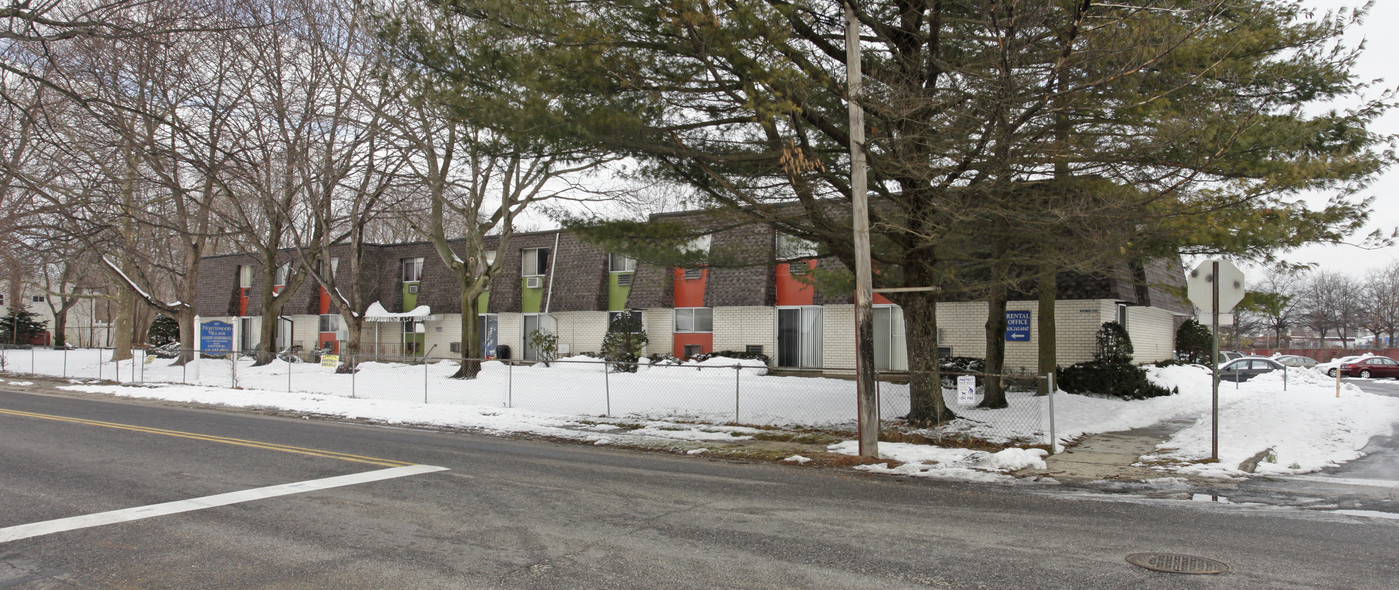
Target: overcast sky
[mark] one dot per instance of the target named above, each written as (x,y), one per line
(1380,32)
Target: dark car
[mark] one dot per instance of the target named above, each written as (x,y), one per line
(1375,366)
(1247,368)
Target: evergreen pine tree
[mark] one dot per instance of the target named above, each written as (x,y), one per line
(20,327)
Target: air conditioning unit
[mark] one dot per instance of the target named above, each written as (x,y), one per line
(694,274)
(534,282)
(412,289)
(624,279)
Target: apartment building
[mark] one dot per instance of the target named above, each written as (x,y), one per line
(557,282)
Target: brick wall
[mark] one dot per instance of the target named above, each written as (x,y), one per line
(660,330)
(582,331)
(735,328)
(1152,331)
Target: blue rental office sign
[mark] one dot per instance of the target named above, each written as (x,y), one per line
(1017,326)
(216,337)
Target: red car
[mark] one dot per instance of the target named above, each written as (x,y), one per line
(1375,366)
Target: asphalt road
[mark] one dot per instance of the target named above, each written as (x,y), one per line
(536,514)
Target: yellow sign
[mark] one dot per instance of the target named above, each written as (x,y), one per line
(330,360)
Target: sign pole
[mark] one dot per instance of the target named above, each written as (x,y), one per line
(1214,363)
(198,336)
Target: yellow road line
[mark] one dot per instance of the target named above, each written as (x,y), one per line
(217,439)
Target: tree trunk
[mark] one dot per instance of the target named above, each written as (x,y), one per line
(60,328)
(993,384)
(353,338)
(1048,337)
(187,337)
(926,404)
(121,323)
(471,352)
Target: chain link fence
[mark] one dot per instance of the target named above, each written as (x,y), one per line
(720,391)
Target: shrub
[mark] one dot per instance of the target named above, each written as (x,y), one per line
(622,345)
(735,354)
(1194,343)
(1114,345)
(1118,379)
(164,330)
(546,345)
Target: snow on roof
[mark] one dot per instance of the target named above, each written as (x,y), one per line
(377,313)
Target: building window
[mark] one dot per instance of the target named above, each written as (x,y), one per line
(694,319)
(245,276)
(534,261)
(613,316)
(619,263)
(1122,314)
(693,350)
(412,269)
(330,322)
(2,299)
(790,247)
(279,276)
(38,299)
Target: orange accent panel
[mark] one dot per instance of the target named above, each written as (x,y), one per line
(328,338)
(243,302)
(689,293)
(277,289)
(325,302)
(790,290)
(882,299)
(704,339)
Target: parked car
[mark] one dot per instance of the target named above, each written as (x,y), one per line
(1296,360)
(1375,366)
(1247,368)
(1229,355)
(1333,366)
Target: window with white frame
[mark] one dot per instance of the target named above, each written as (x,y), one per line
(281,274)
(619,263)
(534,262)
(694,319)
(412,269)
(245,276)
(330,322)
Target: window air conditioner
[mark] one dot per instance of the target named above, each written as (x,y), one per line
(624,280)
(412,289)
(534,282)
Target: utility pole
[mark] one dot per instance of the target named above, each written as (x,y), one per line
(864,282)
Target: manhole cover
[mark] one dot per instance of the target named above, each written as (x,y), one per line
(1174,563)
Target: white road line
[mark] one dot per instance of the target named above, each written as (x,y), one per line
(25,531)
(1371,483)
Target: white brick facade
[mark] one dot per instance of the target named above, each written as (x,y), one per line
(736,328)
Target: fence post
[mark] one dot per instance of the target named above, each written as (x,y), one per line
(184,367)
(99,365)
(1053,437)
(607,387)
(354,368)
(736,372)
(424,380)
(32,351)
(509,383)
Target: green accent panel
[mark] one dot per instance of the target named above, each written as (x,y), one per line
(483,303)
(531,300)
(616,294)
(410,300)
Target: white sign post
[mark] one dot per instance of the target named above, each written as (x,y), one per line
(1215,286)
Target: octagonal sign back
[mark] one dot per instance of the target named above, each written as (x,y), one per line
(1231,285)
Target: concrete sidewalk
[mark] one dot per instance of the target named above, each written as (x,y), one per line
(1108,456)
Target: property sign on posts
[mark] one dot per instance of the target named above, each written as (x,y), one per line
(966,390)
(216,337)
(330,360)
(1017,326)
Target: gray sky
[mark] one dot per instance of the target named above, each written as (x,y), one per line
(1380,33)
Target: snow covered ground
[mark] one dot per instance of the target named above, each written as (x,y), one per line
(1302,422)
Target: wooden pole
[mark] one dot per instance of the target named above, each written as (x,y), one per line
(864,283)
